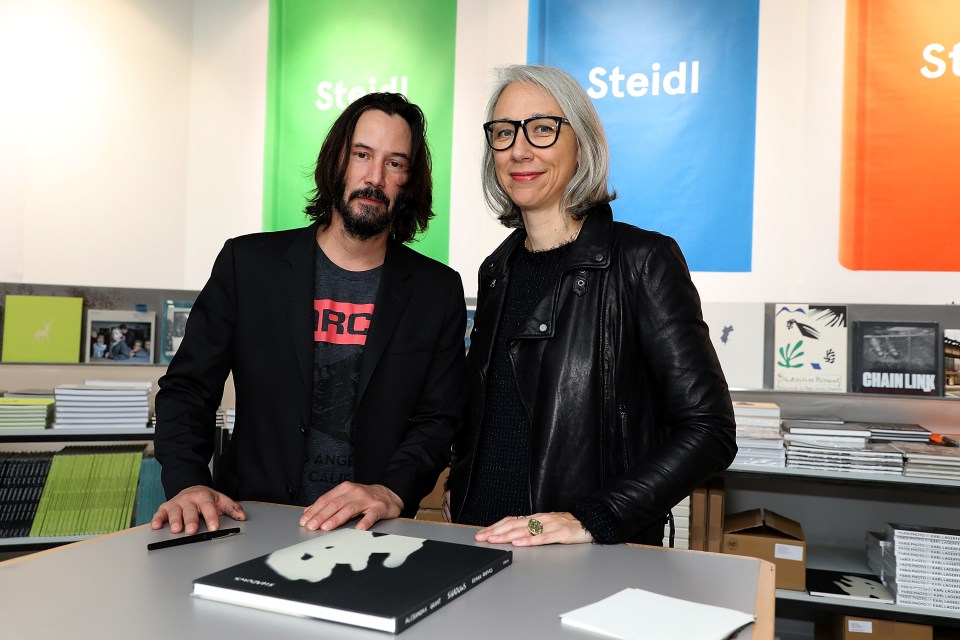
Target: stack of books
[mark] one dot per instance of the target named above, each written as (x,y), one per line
(759,441)
(102,406)
(923,569)
(25,413)
(827,434)
(895,431)
(838,447)
(22,477)
(89,491)
(922,460)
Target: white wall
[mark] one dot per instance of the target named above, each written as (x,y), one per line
(132,137)
(131,146)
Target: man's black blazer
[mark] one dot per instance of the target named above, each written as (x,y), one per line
(255,317)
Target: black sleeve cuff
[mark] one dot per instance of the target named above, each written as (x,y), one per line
(598,520)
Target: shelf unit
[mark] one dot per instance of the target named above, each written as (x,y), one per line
(837,509)
(17,376)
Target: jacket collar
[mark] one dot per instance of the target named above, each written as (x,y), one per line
(297,284)
(591,249)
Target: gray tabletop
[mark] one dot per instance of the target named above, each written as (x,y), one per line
(112,587)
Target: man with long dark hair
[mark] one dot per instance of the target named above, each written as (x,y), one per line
(346,347)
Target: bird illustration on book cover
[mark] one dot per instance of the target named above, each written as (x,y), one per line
(810,343)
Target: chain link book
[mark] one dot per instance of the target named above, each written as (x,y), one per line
(897,358)
(385,582)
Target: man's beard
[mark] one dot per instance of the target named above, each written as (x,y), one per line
(361,220)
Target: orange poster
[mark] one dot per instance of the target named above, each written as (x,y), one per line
(900,183)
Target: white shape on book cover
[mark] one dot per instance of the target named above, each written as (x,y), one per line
(379,581)
(845,584)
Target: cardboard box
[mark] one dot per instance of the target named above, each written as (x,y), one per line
(858,628)
(698,519)
(761,533)
(715,499)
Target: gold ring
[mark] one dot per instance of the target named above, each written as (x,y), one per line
(534,526)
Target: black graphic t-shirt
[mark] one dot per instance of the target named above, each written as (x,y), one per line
(343,309)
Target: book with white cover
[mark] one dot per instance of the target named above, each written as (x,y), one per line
(825,442)
(123,384)
(810,347)
(802,427)
(379,581)
(83,390)
(737,332)
(744,408)
(636,613)
(757,421)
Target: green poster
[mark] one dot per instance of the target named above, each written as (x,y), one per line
(321,53)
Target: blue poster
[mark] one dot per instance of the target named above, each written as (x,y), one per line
(675,84)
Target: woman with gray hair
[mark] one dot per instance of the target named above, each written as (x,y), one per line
(595,399)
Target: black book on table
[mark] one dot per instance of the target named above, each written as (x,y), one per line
(379,581)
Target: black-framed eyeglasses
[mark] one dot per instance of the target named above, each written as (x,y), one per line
(540,131)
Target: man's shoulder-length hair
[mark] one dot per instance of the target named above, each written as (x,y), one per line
(414,207)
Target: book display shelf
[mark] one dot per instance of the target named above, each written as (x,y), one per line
(837,508)
(16,376)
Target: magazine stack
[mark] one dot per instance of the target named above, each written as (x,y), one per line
(924,568)
(838,446)
(758,434)
(102,406)
(841,446)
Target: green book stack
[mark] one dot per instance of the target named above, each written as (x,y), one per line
(26,413)
(42,329)
(89,491)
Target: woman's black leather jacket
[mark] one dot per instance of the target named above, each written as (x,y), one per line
(627,401)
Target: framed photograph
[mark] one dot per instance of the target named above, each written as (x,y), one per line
(173,327)
(119,337)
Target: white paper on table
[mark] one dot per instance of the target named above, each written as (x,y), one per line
(635,614)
